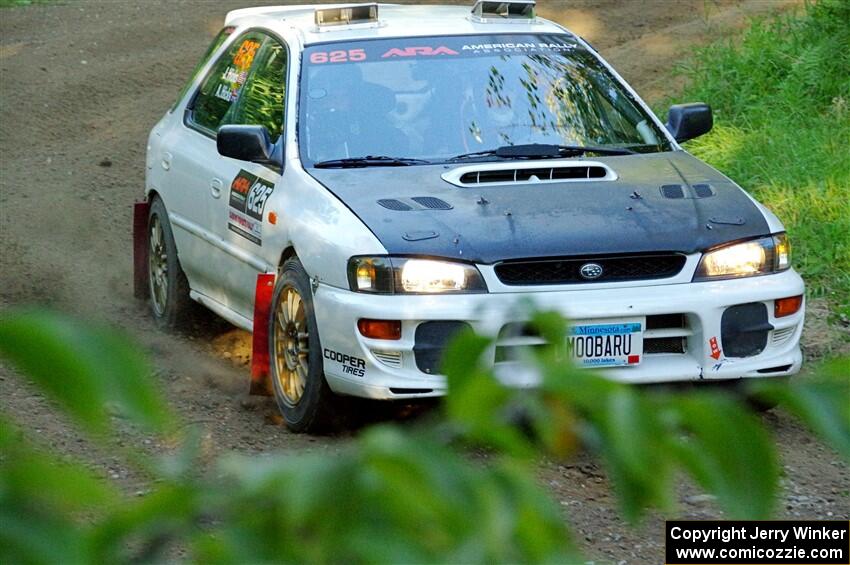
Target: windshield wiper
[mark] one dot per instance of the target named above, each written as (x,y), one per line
(542,151)
(369,161)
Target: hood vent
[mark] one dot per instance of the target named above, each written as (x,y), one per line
(677,191)
(415,203)
(532,173)
(703,190)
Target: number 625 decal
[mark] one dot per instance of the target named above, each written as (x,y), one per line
(320,57)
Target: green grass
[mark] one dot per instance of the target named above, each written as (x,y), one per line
(15,3)
(781,97)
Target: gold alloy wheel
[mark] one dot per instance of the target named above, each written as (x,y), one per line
(158,266)
(291,345)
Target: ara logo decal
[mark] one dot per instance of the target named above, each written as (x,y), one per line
(715,349)
(423,51)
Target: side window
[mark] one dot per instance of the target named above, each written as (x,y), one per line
(261,100)
(225,81)
(246,86)
(216,43)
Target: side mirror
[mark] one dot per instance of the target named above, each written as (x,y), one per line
(687,121)
(246,143)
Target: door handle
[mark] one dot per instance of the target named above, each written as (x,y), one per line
(215,188)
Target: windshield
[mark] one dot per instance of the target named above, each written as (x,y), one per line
(435,98)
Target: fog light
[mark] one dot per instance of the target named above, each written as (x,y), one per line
(379,329)
(787,306)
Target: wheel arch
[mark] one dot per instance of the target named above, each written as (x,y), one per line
(287,254)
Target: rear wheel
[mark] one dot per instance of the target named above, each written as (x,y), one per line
(169,289)
(302,394)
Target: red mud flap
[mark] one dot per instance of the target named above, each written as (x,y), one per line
(260,367)
(140,249)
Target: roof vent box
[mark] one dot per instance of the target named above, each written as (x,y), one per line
(489,10)
(347,14)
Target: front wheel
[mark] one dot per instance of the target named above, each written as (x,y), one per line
(302,394)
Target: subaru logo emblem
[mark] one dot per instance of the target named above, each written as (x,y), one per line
(591,271)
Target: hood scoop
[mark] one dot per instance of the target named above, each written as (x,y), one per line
(501,174)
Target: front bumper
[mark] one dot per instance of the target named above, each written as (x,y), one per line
(383,369)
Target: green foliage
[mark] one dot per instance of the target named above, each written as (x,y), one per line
(100,370)
(391,495)
(781,97)
(15,3)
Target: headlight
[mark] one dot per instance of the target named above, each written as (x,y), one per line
(756,257)
(399,275)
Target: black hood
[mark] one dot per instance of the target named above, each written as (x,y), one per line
(698,208)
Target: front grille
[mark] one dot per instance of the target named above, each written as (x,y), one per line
(568,270)
(513,338)
(666,333)
(664,345)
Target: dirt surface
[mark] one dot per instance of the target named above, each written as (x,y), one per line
(81,85)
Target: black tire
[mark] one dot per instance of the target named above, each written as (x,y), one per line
(172,307)
(756,403)
(761,403)
(316,407)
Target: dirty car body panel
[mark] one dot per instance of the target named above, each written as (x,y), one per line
(617,242)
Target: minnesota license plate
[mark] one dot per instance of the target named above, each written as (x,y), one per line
(609,344)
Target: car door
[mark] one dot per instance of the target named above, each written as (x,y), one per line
(175,157)
(207,252)
(238,218)
(236,215)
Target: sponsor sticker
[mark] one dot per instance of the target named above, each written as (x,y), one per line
(351,365)
(715,349)
(248,196)
(440,48)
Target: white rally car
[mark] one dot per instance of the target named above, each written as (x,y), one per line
(356,183)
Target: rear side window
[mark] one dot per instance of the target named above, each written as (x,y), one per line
(216,43)
(245,86)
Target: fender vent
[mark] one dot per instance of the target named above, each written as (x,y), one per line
(511,173)
(415,203)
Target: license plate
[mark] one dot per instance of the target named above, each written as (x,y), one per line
(610,344)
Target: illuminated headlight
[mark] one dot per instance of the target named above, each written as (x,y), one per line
(399,275)
(755,257)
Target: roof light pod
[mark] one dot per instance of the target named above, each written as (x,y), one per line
(488,10)
(347,14)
